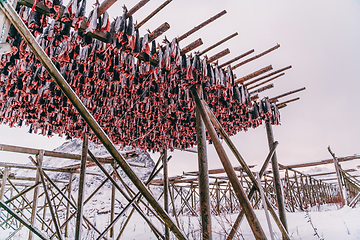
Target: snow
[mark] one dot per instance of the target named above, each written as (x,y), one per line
(327,222)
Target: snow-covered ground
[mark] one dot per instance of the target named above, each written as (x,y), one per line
(328,223)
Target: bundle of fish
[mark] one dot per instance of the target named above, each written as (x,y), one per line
(136,103)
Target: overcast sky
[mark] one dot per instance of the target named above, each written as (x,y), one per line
(320,39)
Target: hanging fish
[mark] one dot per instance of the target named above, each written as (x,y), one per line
(105,22)
(80,14)
(92,20)
(121,35)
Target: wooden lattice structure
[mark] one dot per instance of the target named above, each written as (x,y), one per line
(198,103)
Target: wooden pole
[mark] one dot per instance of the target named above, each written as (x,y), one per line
(185,35)
(264,206)
(112,203)
(249,173)
(336,164)
(22,221)
(136,7)
(299,193)
(68,205)
(203,175)
(254,74)
(259,90)
(255,57)
(85,114)
(166,190)
(276,179)
(81,191)
(159,31)
(3,182)
(262,83)
(152,14)
(268,75)
(289,101)
(191,46)
(35,202)
(217,44)
(38,164)
(275,99)
(249,212)
(236,58)
(105,5)
(218,55)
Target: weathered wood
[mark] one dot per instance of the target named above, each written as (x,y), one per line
(277,183)
(69,187)
(152,14)
(131,201)
(185,35)
(105,5)
(38,164)
(34,151)
(203,175)
(159,31)
(249,173)
(336,164)
(3,182)
(218,55)
(255,57)
(254,97)
(259,90)
(23,192)
(249,212)
(268,75)
(217,44)
(23,221)
(35,201)
(52,169)
(191,46)
(166,190)
(275,99)
(254,74)
(236,58)
(136,7)
(81,191)
(321,162)
(289,101)
(262,83)
(264,205)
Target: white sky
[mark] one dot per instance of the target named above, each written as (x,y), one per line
(320,39)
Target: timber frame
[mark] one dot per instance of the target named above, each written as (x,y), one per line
(235,192)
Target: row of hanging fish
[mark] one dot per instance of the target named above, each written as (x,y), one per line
(136,103)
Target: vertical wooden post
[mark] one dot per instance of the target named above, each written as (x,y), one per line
(38,164)
(336,164)
(79,208)
(35,201)
(112,208)
(277,183)
(240,194)
(289,190)
(298,192)
(3,182)
(68,205)
(264,205)
(203,175)
(217,189)
(166,190)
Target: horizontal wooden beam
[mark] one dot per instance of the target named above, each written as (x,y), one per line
(218,43)
(322,162)
(185,35)
(52,169)
(34,151)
